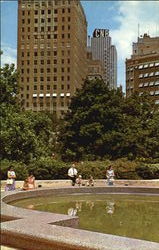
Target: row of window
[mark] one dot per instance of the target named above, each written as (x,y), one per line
(48,104)
(149,74)
(46,12)
(48,36)
(44,3)
(43,28)
(143,66)
(43,53)
(149,84)
(42,62)
(151,93)
(44,20)
(51,95)
(42,79)
(149,65)
(48,87)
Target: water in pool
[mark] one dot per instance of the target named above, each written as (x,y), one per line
(124,215)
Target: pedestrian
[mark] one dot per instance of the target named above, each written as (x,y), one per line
(10,185)
(110,175)
(72,173)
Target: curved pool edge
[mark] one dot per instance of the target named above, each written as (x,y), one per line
(30,229)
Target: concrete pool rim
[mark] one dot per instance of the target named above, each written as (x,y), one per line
(58,231)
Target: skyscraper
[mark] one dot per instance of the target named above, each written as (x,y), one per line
(142,69)
(103,50)
(52,40)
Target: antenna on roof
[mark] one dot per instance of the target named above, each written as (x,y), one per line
(138,29)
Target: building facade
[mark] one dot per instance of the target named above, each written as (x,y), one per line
(142,70)
(52,42)
(103,50)
(95,68)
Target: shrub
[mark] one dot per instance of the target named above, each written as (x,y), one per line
(46,168)
(19,167)
(125,169)
(148,171)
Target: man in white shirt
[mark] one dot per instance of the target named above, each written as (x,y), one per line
(72,173)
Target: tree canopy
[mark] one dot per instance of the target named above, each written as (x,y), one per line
(102,123)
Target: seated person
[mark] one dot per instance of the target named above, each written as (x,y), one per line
(90,181)
(25,184)
(29,182)
(79,180)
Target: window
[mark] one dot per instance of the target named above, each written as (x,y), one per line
(42,12)
(145,66)
(55,19)
(28,21)
(62,61)
(27,96)
(69,10)
(41,87)
(23,13)
(151,83)
(48,61)
(157,73)
(55,78)
(42,70)
(157,83)
(42,29)
(55,36)
(49,20)
(151,74)
(55,70)
(48,79)
(49,28)
(36,12)
(35,20)
(69,19)
(28,70)
(35,87)
(48,70)
(48,36)
(62,78)
(42,62)
(63,27)
(62,86)
(35,70)
(146,84)
(62,104)
(36,29)
(48,87)
(54,87)
(35,53)
(42,53)
(55,11)
(55,61)
(62,70)
(68,86)
(49,12)
(63,19)
(141,75)
(69,35)
(41,78)
(156,64)
(35,79)
(42,20)
(151,65)
(146,75)
(63,36)
(55,53)
(140,66)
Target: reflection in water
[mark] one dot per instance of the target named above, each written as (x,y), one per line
(72,211)
(124,215)
(110,207)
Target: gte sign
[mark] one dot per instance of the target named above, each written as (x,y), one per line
(100,33)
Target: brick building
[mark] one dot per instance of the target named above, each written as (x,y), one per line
(142,70)
(52,42)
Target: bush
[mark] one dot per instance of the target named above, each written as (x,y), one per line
(19,167)
(46,168)
(125,169)
(148,171)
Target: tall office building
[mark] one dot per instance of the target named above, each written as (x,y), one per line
(52,42)
(142,69)
(103,50)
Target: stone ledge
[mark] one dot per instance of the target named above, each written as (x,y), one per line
(40,230)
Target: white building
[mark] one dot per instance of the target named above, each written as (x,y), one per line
(103,50)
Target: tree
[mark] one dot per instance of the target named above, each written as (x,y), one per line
(103,124)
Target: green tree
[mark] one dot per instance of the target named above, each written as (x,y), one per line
(103,124)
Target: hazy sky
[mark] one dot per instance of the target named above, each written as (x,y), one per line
(120,17)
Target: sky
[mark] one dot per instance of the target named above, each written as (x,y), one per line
(122,18)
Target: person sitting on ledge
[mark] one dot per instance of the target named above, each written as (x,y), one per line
(29,182)
(79,180)
(90,181)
